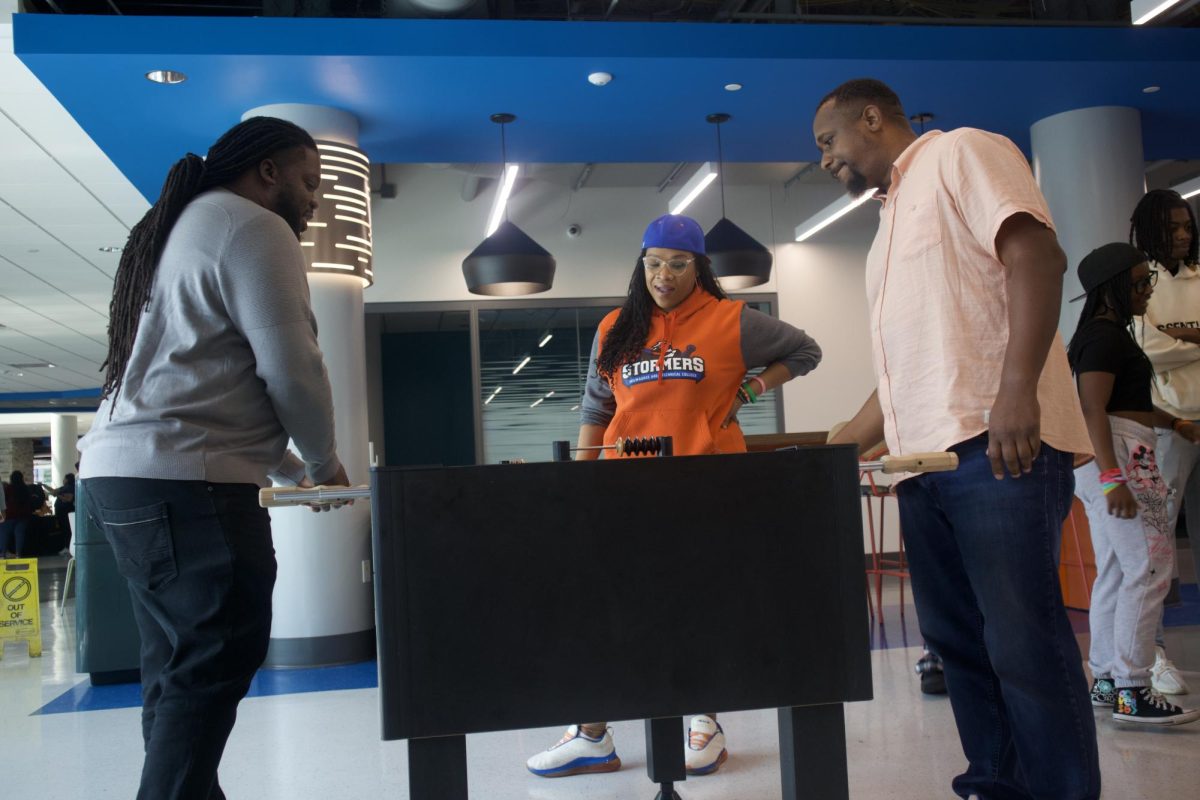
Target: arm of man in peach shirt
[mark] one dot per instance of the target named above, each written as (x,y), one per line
(1034,264)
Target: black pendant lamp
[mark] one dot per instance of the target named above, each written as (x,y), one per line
(508,262)
(738,259)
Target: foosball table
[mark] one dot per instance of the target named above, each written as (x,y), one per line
(492,582)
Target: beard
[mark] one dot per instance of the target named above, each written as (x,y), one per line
(857,184)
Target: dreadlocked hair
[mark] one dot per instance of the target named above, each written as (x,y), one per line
(242,147)
(627,336)
(1150,225)
(1115,295)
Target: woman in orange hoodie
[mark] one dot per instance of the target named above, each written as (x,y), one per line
(673,361)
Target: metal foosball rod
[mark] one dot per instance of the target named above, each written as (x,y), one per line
(280,496)
(661,446)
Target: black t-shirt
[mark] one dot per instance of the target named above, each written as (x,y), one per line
(1104,345)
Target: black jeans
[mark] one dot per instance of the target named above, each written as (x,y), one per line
(200,566)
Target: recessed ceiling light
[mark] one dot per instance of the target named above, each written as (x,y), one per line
(110,249)
(1151,89)
(733,87)
(599,78)
(165,76)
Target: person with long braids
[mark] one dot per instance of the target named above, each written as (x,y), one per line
(1122,489)
(1163,226)
(212,365)
(673,361)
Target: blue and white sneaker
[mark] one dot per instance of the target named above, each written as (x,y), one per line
(706,746)
(575,754)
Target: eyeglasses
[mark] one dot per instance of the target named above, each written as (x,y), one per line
(1142,285)
(676,265)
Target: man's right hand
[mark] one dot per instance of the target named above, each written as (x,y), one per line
(339,479)
(1121,503)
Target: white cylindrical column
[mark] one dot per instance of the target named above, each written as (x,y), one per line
(323,601)
(1090,166)
(64,436)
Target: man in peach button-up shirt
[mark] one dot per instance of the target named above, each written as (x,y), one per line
(964,284)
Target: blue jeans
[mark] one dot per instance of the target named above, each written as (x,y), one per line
(983,555)
(200,566)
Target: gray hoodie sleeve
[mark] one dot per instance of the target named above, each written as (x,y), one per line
(767,340)
(598,406)
(265,290)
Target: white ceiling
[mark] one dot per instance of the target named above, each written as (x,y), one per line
(61,200)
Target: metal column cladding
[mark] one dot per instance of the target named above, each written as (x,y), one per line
(338,239)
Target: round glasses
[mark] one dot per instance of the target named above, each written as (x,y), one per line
(1142,285)
(676,265)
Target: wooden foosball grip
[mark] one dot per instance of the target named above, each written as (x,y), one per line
(919,462)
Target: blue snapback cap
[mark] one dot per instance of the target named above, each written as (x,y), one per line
(675,232)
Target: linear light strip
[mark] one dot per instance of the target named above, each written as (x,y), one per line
(362,222)
(1138,5)
(331,265)
(692,189)
(1188,189)
(352,190)
(343,198)
(831,214)
(506,185)
(347,150)
(341,246)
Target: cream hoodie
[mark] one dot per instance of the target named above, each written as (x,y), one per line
(1174,304)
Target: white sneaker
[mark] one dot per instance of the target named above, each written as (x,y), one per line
(576,753)
(706,746)
(1164,676)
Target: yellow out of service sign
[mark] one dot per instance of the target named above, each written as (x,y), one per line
(19,614)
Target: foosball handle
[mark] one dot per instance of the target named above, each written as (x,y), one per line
(920,462)
(666,446)
(562,451)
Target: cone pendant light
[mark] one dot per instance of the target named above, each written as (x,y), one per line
(508,262)
(738,259)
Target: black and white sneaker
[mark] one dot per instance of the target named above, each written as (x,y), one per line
(1104,693)
(933,678)
(1143,705)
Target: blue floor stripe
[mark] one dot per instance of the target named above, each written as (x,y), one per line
(268,682)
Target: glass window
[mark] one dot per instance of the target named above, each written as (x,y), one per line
(533,367)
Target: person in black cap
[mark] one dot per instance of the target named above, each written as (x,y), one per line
(1122,489)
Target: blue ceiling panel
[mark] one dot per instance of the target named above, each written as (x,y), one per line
(423,89)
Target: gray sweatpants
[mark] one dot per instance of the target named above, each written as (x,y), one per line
(1133,559)
(1179,461)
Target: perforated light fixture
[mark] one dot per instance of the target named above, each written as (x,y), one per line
(338,238)
(738,259)
(508,262)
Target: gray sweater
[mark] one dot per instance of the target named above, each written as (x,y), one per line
(226,365)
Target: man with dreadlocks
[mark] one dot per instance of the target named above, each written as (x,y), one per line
(1122,489)
(212,365)
(1163,226)
(672,361)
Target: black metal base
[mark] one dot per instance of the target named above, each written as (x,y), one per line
(667,793)
(437,768)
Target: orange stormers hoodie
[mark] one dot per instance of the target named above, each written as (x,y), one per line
(686,379)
